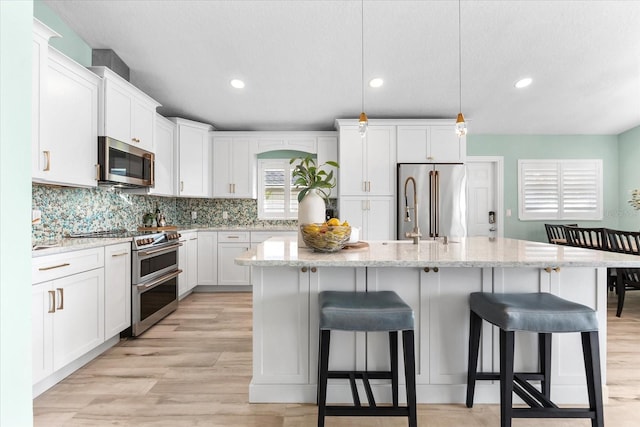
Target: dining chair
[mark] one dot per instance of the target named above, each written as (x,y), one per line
(625,279)
(556,233)
(583,237)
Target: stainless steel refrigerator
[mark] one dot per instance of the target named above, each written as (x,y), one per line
(441,197)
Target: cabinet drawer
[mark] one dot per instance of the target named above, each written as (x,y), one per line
(234,236)
(60,265)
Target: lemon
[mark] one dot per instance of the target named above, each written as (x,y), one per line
(333,222)
(345,224)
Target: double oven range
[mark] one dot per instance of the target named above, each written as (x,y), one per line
(154,275)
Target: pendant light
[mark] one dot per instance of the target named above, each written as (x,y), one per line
(363,121)
(461,126)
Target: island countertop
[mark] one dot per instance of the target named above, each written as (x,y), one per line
(458,252)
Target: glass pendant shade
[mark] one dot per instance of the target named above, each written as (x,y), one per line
(461,126)
(363,124)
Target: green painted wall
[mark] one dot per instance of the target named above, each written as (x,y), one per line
(629,177)
(16,40)
(514,147)
(70,43)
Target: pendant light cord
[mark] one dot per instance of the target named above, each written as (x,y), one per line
(362,52)
(459,60)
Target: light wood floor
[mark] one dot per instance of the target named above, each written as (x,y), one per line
(193,369)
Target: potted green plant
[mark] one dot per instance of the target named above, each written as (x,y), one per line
(309,176)
(316,184)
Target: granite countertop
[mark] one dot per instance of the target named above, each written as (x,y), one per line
(459,252)
(74,244)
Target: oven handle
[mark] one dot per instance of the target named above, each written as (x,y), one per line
(146,286)
(166,248)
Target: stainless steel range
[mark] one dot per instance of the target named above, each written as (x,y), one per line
(154,274)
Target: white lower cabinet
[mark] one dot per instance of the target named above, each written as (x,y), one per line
(373,215)
(68,320)
(117,288)
(188,263)
(207,258)
(230,245)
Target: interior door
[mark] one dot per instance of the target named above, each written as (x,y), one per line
(481,196)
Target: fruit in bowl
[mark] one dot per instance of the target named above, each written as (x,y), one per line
(330,236)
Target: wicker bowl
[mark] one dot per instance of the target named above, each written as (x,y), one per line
(325,238)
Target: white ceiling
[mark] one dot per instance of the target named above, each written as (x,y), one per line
(301,60)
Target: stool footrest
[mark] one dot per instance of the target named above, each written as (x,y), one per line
(553,413)
(530,394)
(529,376)
(352,376)
(365,411)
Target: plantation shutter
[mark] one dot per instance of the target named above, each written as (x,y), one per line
(560,189)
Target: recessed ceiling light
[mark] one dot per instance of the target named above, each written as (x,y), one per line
(238,84)
(377,82)
(522,83)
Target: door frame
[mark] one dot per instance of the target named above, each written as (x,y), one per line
(498,164)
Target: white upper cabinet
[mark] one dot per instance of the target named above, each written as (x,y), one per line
(164,175)
(328,151)
(430,143)
(193,158)
(127,114)
(234,166)
(40,53)
(367,165)
(66,148)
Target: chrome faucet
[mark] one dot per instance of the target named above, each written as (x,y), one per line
(415,234)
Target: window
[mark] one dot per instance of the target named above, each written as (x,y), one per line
(560,189)
(277,197)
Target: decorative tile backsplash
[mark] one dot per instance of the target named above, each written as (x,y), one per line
(70,210)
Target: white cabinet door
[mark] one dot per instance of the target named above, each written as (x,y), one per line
(143,122)
(42,312)
(194,163)
(381,160)
(188,263)
(128,114)
(40,53)
(352,174)
(430,144)
(117,289)
(445,146)
(234,167)
(79,318)
(375,216)
(69,123)
(228,272)
(367,165)
(165,176)
(207,258)
(192,262)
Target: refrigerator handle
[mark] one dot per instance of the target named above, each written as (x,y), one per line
(437,203)
(430,203)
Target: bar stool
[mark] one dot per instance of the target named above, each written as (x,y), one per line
(368,312)
(544,314)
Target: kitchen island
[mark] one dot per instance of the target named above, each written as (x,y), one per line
(435,279)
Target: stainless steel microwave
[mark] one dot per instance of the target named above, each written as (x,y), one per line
(123,165)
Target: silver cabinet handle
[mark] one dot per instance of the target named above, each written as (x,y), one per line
(181,185)
(52,302)
(135,140)
(233,237)
(66,264)
(98,172)
(120,254)
(47,156)
(60,292)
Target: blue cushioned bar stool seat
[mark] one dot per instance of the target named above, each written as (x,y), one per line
(544,314)
(382,311)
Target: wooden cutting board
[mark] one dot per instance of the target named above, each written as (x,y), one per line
(355,246)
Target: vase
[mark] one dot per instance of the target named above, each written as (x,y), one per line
(310,209)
